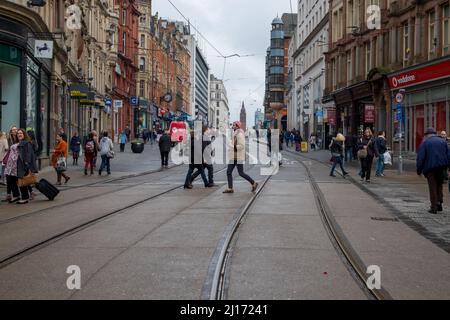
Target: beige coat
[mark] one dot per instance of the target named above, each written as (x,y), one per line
(238,139)
(3,149)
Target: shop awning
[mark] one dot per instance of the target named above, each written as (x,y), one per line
(89,100)
(78,90)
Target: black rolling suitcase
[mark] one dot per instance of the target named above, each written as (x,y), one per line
(47,189)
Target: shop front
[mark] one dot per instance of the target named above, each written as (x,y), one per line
(426,101)
(24,84)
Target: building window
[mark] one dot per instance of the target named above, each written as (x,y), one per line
(124,42)
(333,74)
(142,19)
(142,44)
(431,34)
(142,64)
(218,112)
(306,97)
(124,16)
(349,66)
(446,29)
(368,57)
(405,44)
(141,88)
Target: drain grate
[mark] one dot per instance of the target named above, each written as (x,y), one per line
(384,219)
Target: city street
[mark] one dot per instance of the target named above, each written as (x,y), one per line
(137,234)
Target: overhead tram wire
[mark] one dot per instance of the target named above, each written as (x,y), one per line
(187,20)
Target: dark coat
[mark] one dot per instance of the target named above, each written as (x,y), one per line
(26,160)
(337,147)
(434,154)
(367,142)
(165,143)
(380,146)
(75,144)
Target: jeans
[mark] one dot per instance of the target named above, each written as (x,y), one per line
(380,165)
(366,167)
(14,189)
(192,167)
(435,181)
(337,160)
(122,147)
(164,158)
(348,154)
(210,169)
(105,163)
(241,172)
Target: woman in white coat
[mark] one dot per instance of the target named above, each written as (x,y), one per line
(236,156)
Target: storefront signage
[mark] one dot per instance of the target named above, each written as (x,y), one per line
(108,102)
(134,101)
(43,49)
(118,104)
(420,75)
(369,113)
(89,99)
(78,90)
(331,117)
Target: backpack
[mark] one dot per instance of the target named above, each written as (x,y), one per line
(90,146)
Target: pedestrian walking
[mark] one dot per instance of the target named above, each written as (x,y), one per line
(297,139)
(95,136)
(165,145)
(433,159)
(4,147)
(196,153)
(269,141)
(349,145)
(312,141)
(236,156)
(90,153)
(21,162)
(337,152)
(380,150)
(59,159)
(122,141)
(35,145)
(75,147)
(106,147)
(366,153)
(207,157)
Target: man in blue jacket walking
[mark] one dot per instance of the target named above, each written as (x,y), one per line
(433,159)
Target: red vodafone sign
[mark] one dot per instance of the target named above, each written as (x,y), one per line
(416,76)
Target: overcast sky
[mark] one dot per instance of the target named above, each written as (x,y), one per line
(233,26)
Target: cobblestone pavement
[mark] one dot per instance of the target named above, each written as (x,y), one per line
(406,196)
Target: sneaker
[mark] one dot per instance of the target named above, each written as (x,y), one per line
(85,172)
(228,191)
(367,181)
(22,202)
(14,200)
(255,186)
(188,186)
(100,173)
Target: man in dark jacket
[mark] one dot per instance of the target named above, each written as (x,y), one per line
(380,150)
(207,157)
(165,144)
(433,160)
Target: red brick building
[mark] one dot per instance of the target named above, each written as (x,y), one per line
(124,86)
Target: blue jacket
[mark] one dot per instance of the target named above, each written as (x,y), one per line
(433,154)
(75,144)
(123,138)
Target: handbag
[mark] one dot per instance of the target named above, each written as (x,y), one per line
(61,164)
(28,180)
(362,154)
(110,154)
(5,158)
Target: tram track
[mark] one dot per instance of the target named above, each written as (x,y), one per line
(345,250)
(81,226)
(61,205)
(215,287)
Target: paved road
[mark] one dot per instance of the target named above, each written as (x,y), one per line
(161,246)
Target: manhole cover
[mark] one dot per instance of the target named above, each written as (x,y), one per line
(384,219)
